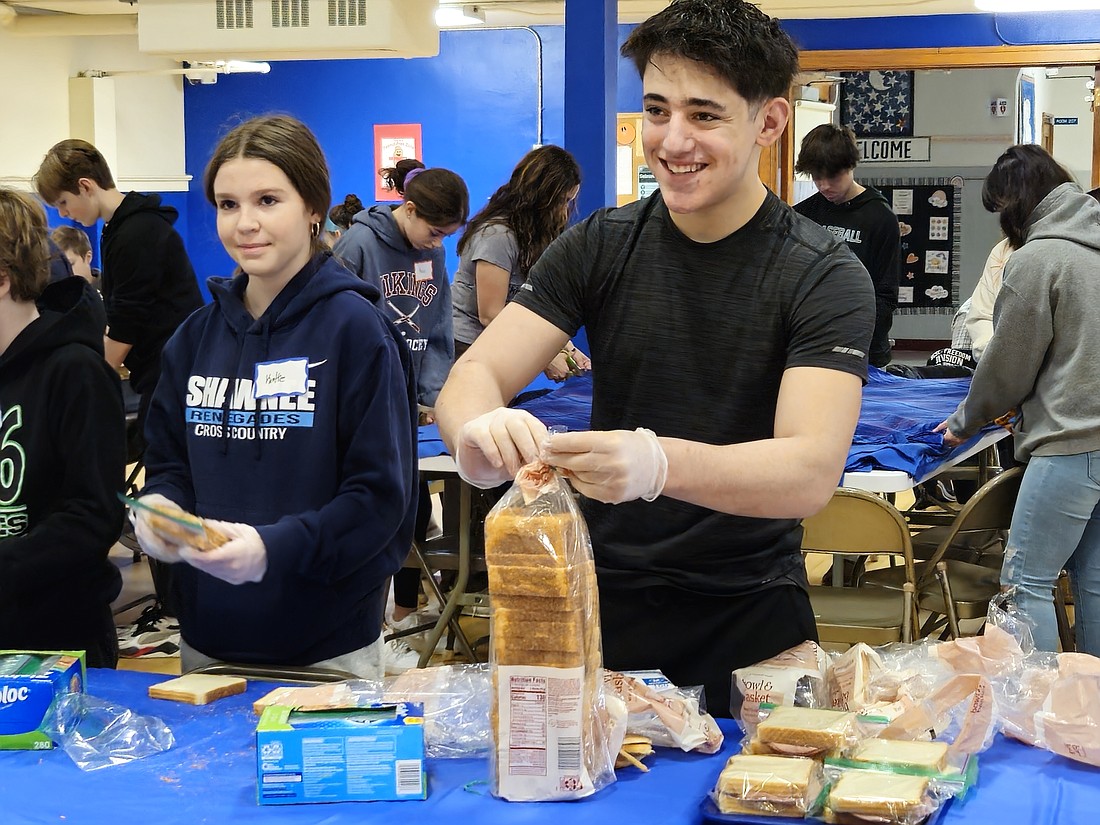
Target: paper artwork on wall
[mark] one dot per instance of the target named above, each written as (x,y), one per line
(877,104)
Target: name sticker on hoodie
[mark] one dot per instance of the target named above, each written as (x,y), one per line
(422,271)
(278,379)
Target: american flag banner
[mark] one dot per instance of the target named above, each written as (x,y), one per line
(877,104)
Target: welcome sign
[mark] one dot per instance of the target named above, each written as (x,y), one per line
(894,150)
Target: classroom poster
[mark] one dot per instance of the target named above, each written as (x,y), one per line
(928,212)
(393,142)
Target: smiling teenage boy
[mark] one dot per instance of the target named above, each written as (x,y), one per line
(730,336)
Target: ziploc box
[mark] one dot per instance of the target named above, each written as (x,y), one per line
(31,681)
(349,754)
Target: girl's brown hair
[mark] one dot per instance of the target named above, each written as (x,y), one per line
(287,143)
(533,203)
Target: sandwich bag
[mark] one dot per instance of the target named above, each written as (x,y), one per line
(97,734)
(886,796)
(556,730)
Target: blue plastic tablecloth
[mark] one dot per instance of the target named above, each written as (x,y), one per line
(210,777)
(894,430)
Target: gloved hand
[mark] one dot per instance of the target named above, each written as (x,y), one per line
(492,447)
(613,466)
(152,543)
(241,559)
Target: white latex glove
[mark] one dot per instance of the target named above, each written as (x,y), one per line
(613,466)
(152,544)
(492,447)
(241,559)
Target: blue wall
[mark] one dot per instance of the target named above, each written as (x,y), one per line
(476,101)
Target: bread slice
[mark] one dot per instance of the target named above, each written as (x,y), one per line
(891,796)
(930,756)
(198,688)
(812,729)
(773,785)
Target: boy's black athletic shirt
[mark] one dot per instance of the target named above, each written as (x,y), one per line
(62,443)
(149,286)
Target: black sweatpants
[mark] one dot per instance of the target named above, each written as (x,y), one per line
(696,638)
(406,581)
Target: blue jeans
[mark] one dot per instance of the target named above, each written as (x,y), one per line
(1056,525)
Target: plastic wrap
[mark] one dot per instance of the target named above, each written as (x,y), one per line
(97,734)
(793,731)
(456,700)
(556,732)
(849,677)
(768,786)
(794,677)
(667,715)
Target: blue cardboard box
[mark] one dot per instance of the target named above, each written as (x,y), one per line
(31,681)
(351,754)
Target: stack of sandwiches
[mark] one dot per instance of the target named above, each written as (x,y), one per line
(768,785)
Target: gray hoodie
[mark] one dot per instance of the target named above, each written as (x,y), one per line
(1044,357)
(416,292)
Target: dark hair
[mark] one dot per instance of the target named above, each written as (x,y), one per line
(287,143)
(440,197)
(24,253)
(827,150)
(343,213)
(1018,182)
(394,176)
(71,239)
(744,46)
(533,203)
(65,164)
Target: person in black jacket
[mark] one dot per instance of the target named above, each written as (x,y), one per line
(858,215)
(148,284)
(62,451)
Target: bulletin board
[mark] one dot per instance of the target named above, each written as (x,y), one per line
(929,214)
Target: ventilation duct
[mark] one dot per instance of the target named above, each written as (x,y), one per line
(287,29)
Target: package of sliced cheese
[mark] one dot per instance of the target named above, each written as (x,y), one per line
(556,732)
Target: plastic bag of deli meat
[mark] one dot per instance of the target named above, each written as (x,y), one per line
(669,716)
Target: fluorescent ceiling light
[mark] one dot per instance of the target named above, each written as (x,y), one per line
(451,16)
(1036,5)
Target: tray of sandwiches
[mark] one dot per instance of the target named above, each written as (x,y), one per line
(829,765)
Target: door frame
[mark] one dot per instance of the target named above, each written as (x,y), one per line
(953,57)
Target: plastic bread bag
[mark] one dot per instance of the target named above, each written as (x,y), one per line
(98,734)
(1069,722)
(761,785)
(796,731)
(883,797)
(667,715)
(794,677)
(849,676)
(556,732)
(961,711)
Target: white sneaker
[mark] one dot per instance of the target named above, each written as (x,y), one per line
(399,657)
(414,619)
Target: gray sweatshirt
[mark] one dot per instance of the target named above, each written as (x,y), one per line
(1044,356)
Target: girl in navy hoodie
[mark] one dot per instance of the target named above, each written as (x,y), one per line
(285,412)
